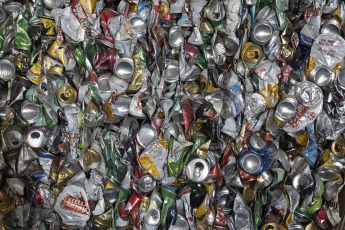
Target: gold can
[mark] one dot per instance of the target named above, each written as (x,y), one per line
(105,220)
(163,9)
(206,28)
(91,157)
(338,147)
(6,203)
(251,55)
(249,193)
(145,203)
(270,226)
(201,210)
(66,94)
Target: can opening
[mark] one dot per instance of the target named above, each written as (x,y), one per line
(198,167)
(35,135)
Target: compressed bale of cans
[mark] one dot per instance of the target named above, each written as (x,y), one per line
(172,114)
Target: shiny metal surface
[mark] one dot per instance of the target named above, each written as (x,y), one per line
(47,87)
(121,107)
(146,183)
(227,79)
(197,170)
(300,181)
(104,87)
(331,189)
(257,142)
(331,26)
(307,93)
(12,7)
(124,67)
(35,138)
(175,37)
(262,32)
(152,217)
(286,110)
(172,73)
(242,218)
(341,77)
(7,69)
(51,4)
(215,11)
(137,23)
(322,76)
(13,138)
(30,112)
(327,174)
(146,135)
(250,163)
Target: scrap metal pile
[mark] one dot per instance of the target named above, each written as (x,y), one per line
(172,114)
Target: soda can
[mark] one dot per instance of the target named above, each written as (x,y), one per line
(197,170)
(286,109)
(301,181)
(13,137)
(172,72)
(66,95)
(257,142)
(51,4)
(124,68)
(322,76)
(7,70)
(152,218)
(308,94)
(176,37)
(262,32)
(30,112)
(36,138)
(47,87)
(146,183)
(331,26)
(251,163)
(242,218)
(146,135)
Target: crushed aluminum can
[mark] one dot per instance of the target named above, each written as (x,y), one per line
(251,163)
(146,183)
(124,67)
(197,170)
(7,70)
(36,138)
(13,137)
(146,135)
(262,32)
(30,112)
(152,219)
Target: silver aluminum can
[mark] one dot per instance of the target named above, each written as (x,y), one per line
(124,67)
(146,183)
(152,219)
(30,112)
(36,138)
(257,142)
(13,138)
(146,135)
(262,32)
(322,76)
(197,170)
(251,163)
(308,94)
(7,69)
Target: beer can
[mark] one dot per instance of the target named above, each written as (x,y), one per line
(251,163)
(197,170)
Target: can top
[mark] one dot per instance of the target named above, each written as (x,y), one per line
(146,183)
(257,142)
(197,170)
(251,163)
